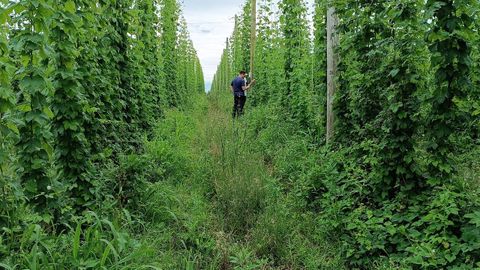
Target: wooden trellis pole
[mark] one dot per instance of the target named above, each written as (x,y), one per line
(253,38)
(332,59)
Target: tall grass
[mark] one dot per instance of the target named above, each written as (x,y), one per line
(94,243)
(239,176)
(257,175)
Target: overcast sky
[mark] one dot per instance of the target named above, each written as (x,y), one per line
(210,22)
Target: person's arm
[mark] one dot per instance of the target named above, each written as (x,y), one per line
(246,87)
(231,87)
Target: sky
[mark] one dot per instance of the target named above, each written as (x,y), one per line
(210,23)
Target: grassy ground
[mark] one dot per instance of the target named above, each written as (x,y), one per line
(227,211)
(206,193)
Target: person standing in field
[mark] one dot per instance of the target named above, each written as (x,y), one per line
(239,87)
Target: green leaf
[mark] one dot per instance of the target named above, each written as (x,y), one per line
(70,6)
(34,84)
(24,107)
(474,218)
(13,127)
(105,255)
(3,16)
(394,72)
(416,260)
(7,267)
(3,158)
(49,149)
(30,186)
(48,112)
(76,241)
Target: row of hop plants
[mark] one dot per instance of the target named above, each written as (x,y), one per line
(81,83)
(406,107)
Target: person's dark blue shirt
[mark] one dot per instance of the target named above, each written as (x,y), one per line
(238,83)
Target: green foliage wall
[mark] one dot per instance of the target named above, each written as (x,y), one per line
(169,41)
(386,100)
(451,39)
(69,102)
(82,81)
(7,97)
(383,71)
(33,81)
(8,129)
(295,97)
(269,59)
(189,74)
(319,64)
